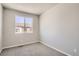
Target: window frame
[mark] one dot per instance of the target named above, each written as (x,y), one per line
(24,23)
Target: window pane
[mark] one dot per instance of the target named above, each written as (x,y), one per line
(19,24)
(28,25)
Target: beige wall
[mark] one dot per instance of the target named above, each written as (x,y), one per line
(10,38)
(0,27)
(59,28)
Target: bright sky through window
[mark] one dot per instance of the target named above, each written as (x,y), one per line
(28,20)
(19,19)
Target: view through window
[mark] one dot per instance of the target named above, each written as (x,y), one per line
(23,24)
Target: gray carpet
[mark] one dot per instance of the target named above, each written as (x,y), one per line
(36,49)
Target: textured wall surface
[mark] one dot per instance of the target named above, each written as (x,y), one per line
(1,27)
(59,28)
(11,38)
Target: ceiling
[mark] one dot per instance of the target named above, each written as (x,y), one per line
(34,8)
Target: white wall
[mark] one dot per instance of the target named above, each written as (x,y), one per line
(10,38)
(0,27)
(59,28)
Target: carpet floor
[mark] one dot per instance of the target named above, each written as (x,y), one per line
(35,49)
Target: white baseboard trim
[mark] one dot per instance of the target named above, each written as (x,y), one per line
(36,42)
(55,49)
(20,44)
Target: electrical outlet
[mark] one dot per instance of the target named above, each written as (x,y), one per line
(75,50)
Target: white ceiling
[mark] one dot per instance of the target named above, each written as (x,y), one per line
(34,8)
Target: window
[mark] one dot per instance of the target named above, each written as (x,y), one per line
(23,24)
